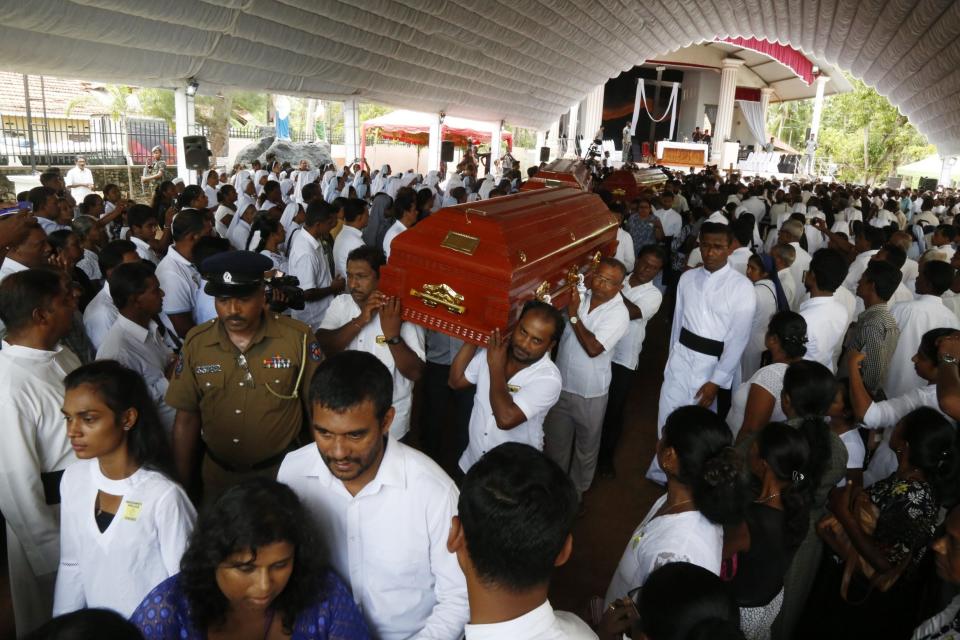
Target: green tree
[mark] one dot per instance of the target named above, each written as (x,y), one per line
(860,131)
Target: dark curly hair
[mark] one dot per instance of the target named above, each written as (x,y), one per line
(786,451)
(255,513)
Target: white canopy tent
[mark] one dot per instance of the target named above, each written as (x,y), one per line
(930,167)
(525,61)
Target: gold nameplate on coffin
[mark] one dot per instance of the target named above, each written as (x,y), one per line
(460,242)
(443,295)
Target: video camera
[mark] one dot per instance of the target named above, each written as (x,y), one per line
(291,295)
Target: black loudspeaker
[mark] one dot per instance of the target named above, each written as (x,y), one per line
(446,151)
(544,154)
(927,184)
(196,152)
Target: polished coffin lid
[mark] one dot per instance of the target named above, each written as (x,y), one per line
(628,183)
(569,172)
(468,269)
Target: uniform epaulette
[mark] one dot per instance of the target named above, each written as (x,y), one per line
(200,328)
(292,323)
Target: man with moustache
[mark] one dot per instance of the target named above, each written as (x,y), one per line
(241,381)
(517,382)
(382,508)
(367,320)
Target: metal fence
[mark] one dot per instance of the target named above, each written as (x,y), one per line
(101,140)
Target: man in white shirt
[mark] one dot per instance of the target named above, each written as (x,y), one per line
(868,243)
(79,180)
(37,308)
(783,256)
(177,274)
(405,205)
(670,220)
(101,312)
(32,252)
(355,218)
(364,319)
(942,240)
(383,509)
(742,229)
(790,234)
(308,263)
(711,327)
(46,208)
(573,428)
(910,268)
(517,382)
(135,340)
(916,318)
(143,232)
(516,514)
(642,300)
(827,315)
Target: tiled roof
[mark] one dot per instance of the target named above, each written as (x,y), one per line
(59,93)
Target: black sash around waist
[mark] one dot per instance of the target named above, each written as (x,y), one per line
(700,344)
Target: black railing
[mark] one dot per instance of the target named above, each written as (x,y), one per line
(101,140)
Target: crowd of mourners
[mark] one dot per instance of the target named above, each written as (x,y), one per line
(199,446)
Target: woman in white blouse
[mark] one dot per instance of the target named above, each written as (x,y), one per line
(124,523)
(756,402)
(705,490)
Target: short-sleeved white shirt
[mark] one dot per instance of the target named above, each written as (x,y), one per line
(682,537)
(769,378)
(179,280)
(145,251)
(582,375)
(670,220)
(76,175)
(395,230)
(534,390)
(646,296)
(347,240)
(342,310)
(309,264)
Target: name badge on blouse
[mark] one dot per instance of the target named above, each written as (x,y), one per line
(512,388)
(132,511)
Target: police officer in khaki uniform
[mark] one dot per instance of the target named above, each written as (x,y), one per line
(241,381)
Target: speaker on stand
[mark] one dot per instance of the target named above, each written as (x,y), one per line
(446,151)
(196,154)
(544,154)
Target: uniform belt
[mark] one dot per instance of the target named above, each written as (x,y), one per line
(272,461)
(700,344)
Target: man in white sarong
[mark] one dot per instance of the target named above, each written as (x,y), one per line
(711,327)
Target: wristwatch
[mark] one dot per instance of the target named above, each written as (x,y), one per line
(948,359)
(574,319)
(394,340)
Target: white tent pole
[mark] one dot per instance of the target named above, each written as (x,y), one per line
(433,145)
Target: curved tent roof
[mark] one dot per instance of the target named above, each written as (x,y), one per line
(525,61)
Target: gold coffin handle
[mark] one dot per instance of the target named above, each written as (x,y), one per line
(440,295)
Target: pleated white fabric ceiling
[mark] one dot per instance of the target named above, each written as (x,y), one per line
(524,61)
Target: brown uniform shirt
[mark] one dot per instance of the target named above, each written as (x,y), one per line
(244,423)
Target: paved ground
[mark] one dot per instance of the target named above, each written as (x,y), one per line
(614,507)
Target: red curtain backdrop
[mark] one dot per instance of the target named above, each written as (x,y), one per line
(789,56)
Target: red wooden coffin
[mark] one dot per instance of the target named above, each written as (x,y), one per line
(468,269)
(563,172)
(627,184)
